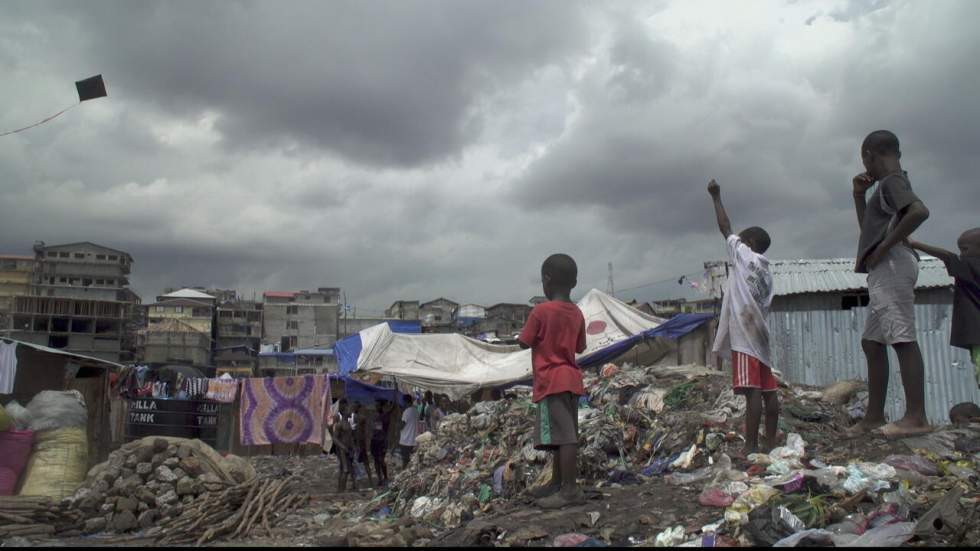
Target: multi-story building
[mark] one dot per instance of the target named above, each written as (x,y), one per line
(505,319)
(300,319)
(189,341)
(438,315)
(238,336)
(78,300)
(170,340)
(403,310)
(15,281)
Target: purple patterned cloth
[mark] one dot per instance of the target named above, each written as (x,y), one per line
(283,410)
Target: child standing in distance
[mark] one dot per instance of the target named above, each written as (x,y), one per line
(555,332)
(965,271)
(742,327)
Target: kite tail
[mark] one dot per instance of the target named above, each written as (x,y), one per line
(52,117)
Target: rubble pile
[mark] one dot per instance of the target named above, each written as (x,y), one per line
(675,431)
(181,491)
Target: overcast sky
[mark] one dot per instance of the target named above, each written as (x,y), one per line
(414,149)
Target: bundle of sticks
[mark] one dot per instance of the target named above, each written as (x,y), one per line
(248,509)
(36,516)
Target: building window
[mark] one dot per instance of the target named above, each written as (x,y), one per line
(294,325)
(292,310)
(86,282)
(62,280)
(160,308)
(100,257)
(79,255)
(113,257)
(100,282)
(63,255)
(179,309)
(52,254)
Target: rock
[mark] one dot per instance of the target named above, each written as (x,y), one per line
(147,518)
(165,487)
(187,500)
(95,524)
(209,478)
(171,462)
(179,473)
(184,451)
(127,504)
(131,461)
(192,466)
(102,487)
(186,486)
(158,460)
(145,453)
(144,469)
(131,484)
(171,451)
(107,508)
(168,498)
(160,445)
(408,534)
(123,522)
(143,506)
(164,474)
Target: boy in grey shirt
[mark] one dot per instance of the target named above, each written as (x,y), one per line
(887,219)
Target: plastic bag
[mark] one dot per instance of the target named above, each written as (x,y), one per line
(715,497)
(670,537)
(59,463)
(912,463)
(15,451)
(19,415)
(52,410)
(683,479)
(890,535)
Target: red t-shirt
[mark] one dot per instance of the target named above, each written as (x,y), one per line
(555,331)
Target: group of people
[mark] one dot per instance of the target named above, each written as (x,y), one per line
(555,330)
(363,436)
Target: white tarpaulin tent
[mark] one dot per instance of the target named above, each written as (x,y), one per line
(457,365)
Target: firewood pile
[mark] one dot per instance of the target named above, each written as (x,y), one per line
(36,516)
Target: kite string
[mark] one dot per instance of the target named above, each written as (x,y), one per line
(52,117)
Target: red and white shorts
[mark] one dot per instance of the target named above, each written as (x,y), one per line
(748,373)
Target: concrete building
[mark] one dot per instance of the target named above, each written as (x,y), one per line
(403,310)
(171,341)
(83,271)
(505,319)
(437,316)
(78,301)
(537,300)
(15,281)
(301,319)
(238,335)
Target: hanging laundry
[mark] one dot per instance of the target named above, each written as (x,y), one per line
(8,367)
(282,410)
(196,388)
(222,390)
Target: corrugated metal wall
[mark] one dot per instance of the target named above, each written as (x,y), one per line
(821,347)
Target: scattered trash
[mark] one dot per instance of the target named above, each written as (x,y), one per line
(841,392)
(570,540)
(715,497)
(671,537)
(912,463)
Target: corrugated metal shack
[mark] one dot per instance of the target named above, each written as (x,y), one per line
(817,320)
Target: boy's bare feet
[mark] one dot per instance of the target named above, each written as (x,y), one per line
(904,427)
(863,427)
(562,499)
(544,491)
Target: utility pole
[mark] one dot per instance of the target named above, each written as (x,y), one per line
(610,285)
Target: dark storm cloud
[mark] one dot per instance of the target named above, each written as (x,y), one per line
(386,83)
(407,150)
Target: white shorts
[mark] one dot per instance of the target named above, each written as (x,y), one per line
(891,308)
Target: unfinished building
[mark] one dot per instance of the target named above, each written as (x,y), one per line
(300,319)
(174,341)
(15,281)
(238,336)
(79,300)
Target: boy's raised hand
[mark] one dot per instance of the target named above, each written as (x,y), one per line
(713,188)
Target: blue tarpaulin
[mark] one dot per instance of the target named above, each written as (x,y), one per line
(359,391)
(674,328)
(348,349)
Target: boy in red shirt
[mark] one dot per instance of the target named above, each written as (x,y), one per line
(555,332)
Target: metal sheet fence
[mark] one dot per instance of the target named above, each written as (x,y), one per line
(822,347)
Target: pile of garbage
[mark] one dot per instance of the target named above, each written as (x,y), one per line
(487,456)
(680,427)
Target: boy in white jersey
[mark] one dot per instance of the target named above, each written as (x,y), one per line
(742,327)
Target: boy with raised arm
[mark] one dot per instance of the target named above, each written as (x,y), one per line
(742,328)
